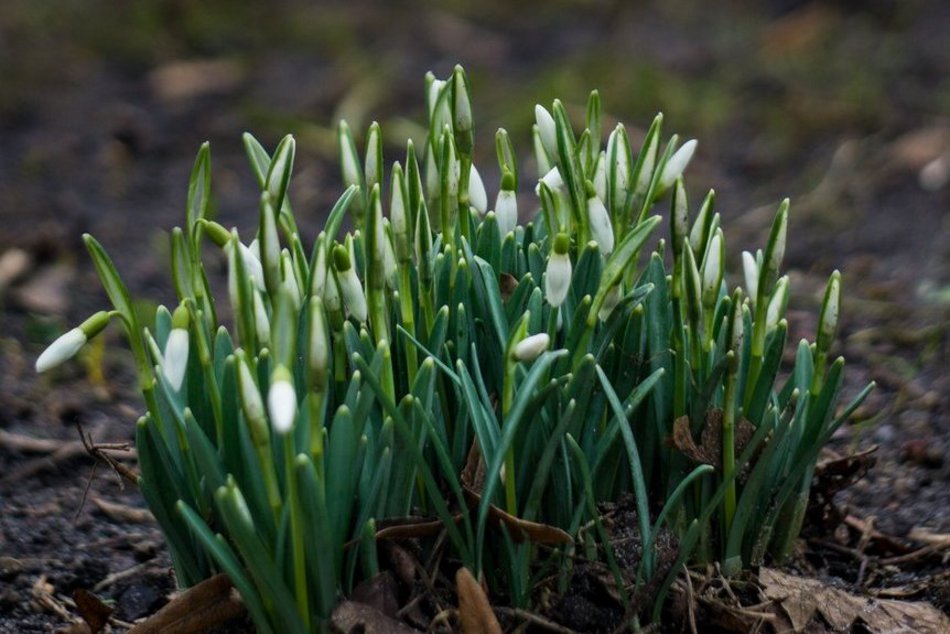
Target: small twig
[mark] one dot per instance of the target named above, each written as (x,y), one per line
(534,619)
(119,576)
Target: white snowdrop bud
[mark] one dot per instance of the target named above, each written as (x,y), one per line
(282,400)
(600,176)
(350,286)
(547,129)
(68,344)
(477,196)
(750,269)
(777,304)
(506,205)
(261,320)
(557,277)
(676,164)
(713,270)
(600,228)
(828,325)
(252,264)
(552,179)
(175,358)
(530,348)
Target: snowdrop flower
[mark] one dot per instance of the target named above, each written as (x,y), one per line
(677,163)
(506,205)
(553,180)
(350,286)
(828,323)
(557,277)
(374,149)
(547,129)
(477,197)
(261,320)
(530,348)
(68,344)
(777,304)
(349,158)
(282,400)
(600,228)
(713,270)
(175,358)
(750,269)
(252,264)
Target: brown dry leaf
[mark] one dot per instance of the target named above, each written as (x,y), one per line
(93,611)
(473,473)
(210,603)
(474,608)
(507,283)
(709,451)
(803,599)
(379,592)
(351,616)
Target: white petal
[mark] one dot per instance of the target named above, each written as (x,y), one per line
(477,196)
(176,357)
(677,163)
(548,130)
(282,406)
(252,265)
(353,297)
(65,347)
(506,210)
(751,271)
(557,279)
(529,348)
(600,227)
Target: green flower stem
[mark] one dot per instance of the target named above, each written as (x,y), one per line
(316,401)
(729,442)
(296,533)
(407,313)
(507,398)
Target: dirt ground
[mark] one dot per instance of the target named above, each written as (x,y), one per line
(102,108)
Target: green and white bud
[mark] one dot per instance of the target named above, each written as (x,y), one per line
(282,400)
(461,103)
(547,129)
(530,348)
(374,156)
(319,345)
(750,270)
(600,176)
(175,357)
(399,219)
(351,289)
(777,304)
(713,270)
(68,344)
(506,205)
(435,89)
(618,160)
(349,157)
(611,299)
(261,320)
(289,278)
(677,164)
(828,321)
(252,264)
(319,279)
(557,277)
(552,179)
(477,196)
(251,402)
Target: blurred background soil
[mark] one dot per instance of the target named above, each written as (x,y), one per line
(842,106)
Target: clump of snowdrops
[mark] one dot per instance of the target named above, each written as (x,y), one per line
(446,359)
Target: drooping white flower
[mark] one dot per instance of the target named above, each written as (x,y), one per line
(600,228)
(477,196)
(63,348)
(530,348)
(676,164)
(506,210)
(547,130)
(557,276)
(68,344)
(175,358)
(282,401)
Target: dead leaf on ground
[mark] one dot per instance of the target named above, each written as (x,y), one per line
(709,451)
(475,611)
(352,616)
(93,611)
(212,602)
(803,599)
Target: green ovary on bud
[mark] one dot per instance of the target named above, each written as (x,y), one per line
(601,229)
(175,357)
(677,164)
(530,348)
(828,321)
(218,234)
(349,283)
(557,277)
(506,205)
(282,400)
(547,129)
(68,344)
